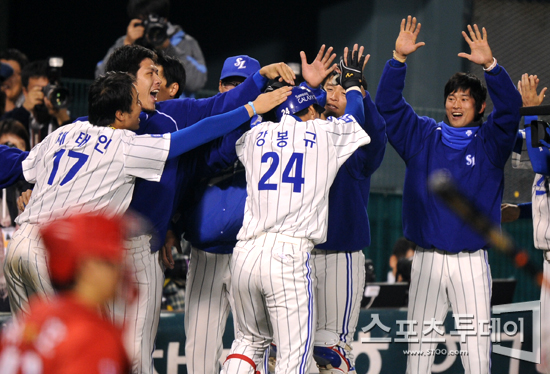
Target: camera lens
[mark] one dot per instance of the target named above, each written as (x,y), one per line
(59,97)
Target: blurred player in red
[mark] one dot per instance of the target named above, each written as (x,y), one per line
(68,333)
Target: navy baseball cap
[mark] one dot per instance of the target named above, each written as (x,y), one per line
(6,71)
(239,66)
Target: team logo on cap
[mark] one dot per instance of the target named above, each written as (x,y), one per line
(240,63)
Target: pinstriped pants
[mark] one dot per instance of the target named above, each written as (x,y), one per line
(207,305)
(140,318)
(463,280)
(26,269)
(272,288)
(340,280)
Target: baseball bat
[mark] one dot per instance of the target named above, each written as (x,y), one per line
(441,183)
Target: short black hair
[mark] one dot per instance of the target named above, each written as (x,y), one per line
(128,58)
(14,127)
(15,55)
(174,72)
(319,109)
(142,8)
(35,69)
(108,94)
(464,82)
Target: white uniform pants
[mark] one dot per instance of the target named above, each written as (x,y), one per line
(463,280)
(25,268)
(273,290)
(340,280)
(207,306)
(141,317)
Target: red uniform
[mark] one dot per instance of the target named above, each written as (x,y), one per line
(62,336)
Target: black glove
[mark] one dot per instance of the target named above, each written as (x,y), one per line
(352,73)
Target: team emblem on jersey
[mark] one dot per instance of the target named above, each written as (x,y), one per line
(470,160)
(469,133)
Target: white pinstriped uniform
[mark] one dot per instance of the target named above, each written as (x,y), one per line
(541,229)
(290,167)
(78,168)
(462,279)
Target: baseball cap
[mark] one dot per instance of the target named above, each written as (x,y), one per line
(70,240)
(5,71)
(239,66)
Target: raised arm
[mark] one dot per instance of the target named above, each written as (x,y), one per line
(213,127)
(406,41)
(315,73)
(405,130)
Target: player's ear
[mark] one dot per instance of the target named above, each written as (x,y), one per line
(173,89)
(120,115)
(483,107)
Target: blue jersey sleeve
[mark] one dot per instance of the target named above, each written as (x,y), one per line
(11,170)
(405,129)
(500,130)
(355,107)
(206,130)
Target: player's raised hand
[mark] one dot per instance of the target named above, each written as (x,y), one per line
(406,41)
(527,88)
(316,72)
(480,51)
(280,71)
(267,101)
(351,67)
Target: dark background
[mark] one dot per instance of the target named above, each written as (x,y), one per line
(82,31)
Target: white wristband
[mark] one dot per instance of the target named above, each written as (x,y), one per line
(492,65)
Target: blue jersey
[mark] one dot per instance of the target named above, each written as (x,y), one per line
(155,201)
(11,170)
(348,221)
(478,168)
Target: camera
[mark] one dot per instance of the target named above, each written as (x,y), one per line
(58,95)
(155,30)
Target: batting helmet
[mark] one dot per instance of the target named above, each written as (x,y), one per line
(300,99)
(70,240)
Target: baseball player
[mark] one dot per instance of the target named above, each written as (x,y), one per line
(339,264)
(450,263)
(211,224)
(91,167)
(289,166)
(539,208)
(155,201)
(68,334)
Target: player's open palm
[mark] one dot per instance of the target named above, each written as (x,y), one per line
(316,72)
(527,88)
(406,41)
(481,53)
(267,101)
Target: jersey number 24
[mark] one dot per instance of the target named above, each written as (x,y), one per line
(296,159)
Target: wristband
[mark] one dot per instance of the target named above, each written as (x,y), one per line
(252,106)
(398,59)
(492,65)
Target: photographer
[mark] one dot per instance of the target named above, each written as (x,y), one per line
(12,86)
(38,114)
(150,28)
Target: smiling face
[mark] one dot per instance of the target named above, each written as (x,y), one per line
(336,100)
(460,108)
(148,84)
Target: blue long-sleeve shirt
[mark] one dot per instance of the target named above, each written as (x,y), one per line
(478,169)
(11,170)
(155,201)
(348,221)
